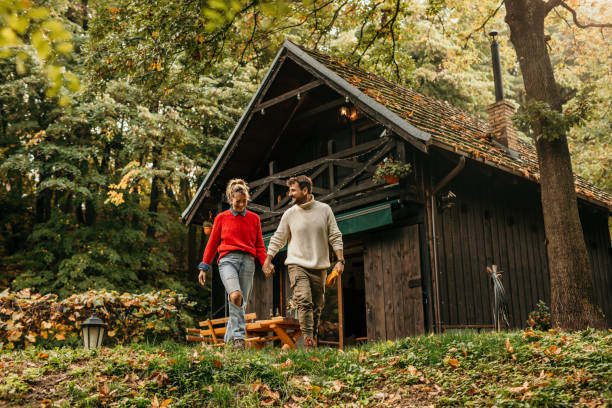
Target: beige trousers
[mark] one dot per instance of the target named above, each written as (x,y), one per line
(308,288)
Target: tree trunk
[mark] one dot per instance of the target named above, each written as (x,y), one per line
(573,303)
(156,195)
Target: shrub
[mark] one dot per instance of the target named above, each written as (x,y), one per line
(539,319)
(32,319)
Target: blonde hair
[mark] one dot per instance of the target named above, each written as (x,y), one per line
(236,186)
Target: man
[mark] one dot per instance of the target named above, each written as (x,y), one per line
(310,227)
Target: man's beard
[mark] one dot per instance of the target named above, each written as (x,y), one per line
(300,201)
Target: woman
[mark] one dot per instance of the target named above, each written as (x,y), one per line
(236,235)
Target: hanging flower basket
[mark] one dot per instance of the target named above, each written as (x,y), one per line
(391,171)
(389,179)
(207,228)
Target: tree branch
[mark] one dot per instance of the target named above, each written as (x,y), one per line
(331,23)
(575,17)
(484,23)
(397,70)
(365,21)
(249,42)
(568,26)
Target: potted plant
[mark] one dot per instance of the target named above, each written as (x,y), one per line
(207,227)
(391,171)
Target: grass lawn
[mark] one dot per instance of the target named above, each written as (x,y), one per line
(518,369)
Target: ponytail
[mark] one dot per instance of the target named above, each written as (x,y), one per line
(237,186)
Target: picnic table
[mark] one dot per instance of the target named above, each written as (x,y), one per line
(258,332)
(285,329)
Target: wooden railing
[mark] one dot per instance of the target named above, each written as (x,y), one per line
(351,190)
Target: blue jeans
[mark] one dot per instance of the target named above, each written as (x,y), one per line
(237,270)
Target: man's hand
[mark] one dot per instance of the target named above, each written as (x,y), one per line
(202,277)
(339,267)
(267,267)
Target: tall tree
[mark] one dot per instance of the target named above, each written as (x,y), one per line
(572,290)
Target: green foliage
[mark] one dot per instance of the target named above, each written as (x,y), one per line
(391,168)
(25,27)
(125,150)
(31,319)
(539,120)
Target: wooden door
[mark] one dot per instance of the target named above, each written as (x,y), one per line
(393,285)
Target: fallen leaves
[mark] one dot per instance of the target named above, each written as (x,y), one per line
(452,362)
(553,351)
(337,385)
(155,403)
(509,346)
(269,397)
(160,377)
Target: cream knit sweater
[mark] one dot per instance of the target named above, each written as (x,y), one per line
(309,228)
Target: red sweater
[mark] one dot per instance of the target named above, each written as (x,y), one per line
(235,233)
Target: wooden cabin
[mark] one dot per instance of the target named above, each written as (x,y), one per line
(417,250)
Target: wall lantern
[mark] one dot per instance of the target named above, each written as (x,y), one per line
(348,113)
(447,201)
(93,332)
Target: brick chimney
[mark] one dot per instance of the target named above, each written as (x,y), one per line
(501,128)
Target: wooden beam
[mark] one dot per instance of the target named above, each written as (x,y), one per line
(374,144)
(351,164)
(321,108)
(365,107)
(288,95)
(272,77)
(257,207)
(281,132)
(271,170)
(258,192)
(372,160)
(318,172)
(330,151)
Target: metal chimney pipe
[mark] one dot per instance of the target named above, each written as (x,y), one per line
(497,75)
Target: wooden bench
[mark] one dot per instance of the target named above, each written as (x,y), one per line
(285,329)
(214,329)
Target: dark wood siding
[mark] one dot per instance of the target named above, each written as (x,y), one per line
(498,220)
(494,221)
(394,300)
(597,237)
(261,300)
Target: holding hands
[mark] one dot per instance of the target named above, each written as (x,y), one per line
(267,267)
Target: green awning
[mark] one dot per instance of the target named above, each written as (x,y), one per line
(362,219)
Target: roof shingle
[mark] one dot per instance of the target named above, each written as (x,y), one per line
(450,127)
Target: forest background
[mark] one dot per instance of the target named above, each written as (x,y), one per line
(93,179)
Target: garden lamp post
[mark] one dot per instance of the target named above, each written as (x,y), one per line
(93,332)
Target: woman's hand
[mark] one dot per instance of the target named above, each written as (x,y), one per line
(268,267)
(202,277)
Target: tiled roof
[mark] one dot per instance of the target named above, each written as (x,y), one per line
(450,128)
